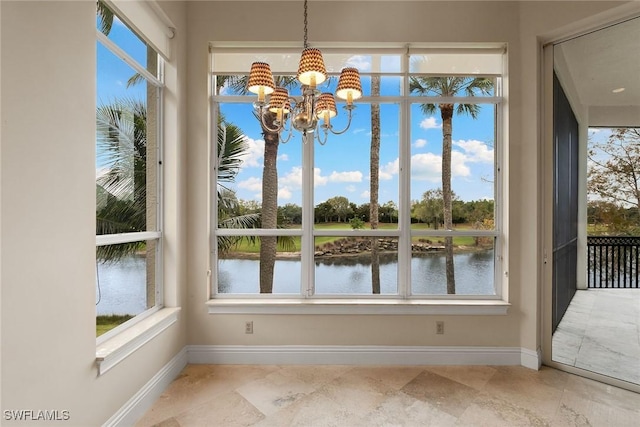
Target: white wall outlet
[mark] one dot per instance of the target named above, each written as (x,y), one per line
(248,327)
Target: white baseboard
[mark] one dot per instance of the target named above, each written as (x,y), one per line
(531,359)
(361,355)
(140,402)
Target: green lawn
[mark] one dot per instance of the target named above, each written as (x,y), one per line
(106,323)
(246,246)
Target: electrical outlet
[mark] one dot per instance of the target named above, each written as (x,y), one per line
(439,327)
(248,327)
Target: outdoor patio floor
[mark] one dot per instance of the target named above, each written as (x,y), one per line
(600,332)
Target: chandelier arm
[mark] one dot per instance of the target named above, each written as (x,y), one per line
(340,132)
(261,113)
(288,130)
(321,140)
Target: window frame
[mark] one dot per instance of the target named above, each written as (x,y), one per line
(148,235)
(404,300)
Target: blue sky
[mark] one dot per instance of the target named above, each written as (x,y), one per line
(342,165)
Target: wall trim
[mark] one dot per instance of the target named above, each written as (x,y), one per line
(140,402)
(361,355)
(531,359)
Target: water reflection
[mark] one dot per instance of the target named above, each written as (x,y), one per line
(352,275)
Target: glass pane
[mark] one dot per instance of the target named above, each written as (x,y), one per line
(473,176)
(349,265)
(481,86)
(244,260)
(125,282)
(473,266)
(242,192)
(342,184)
(126,142)
(119,33)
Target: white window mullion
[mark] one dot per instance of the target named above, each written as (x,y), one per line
(404,196)
(307,286)
(115,239)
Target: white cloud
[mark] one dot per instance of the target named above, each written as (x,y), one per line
(318,179)
(293,179)
(458,166)
(284,157)
(359,130)
(426,167)
(360,62)
(350,188)
(251,184)
(389,170)
(420,143)
(365,194)
(476,151)
(254,153)
(430,123)
(284,193)
(349,176)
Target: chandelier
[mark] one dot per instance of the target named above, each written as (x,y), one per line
(306,114)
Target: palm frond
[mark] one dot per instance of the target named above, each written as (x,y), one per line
(105,17)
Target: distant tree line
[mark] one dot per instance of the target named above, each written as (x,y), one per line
(428,210)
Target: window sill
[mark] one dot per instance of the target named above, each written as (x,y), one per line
(118,348)
(357,306)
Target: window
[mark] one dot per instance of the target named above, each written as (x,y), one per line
(128,176)
(374,212)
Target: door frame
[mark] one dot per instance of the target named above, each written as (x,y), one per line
(547,193)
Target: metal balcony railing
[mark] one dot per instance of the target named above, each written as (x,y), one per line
(613,261)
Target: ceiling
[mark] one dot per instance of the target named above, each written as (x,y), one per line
(600,62)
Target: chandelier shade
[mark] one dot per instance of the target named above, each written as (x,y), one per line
(279,101)
(349,86)
(261,80)
(311,71)
(326,106)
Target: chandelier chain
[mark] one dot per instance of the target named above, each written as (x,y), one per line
(306,44)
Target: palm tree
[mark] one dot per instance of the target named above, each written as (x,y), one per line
(269,212)
(122,189)
(374,184)
(449,87)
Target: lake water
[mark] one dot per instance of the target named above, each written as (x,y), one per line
(122,285)
(474,273)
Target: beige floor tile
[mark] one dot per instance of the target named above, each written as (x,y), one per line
(603,393)
(315,409)
(400,409)
(489,411)
(443,393)
(577,411)
(356,391)
(274,392)
(198,384)
(228,410)
(536,391)
(394,377)
(473,376)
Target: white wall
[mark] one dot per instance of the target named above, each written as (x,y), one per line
(518,24)
(48,219)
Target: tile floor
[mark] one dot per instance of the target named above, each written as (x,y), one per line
(249,395)
(600,332)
